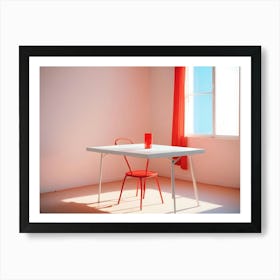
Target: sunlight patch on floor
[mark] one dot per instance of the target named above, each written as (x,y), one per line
(130,203)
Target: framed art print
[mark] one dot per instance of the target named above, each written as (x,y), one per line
(140,139)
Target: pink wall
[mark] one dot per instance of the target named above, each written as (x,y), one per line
(82,107)
(89,106)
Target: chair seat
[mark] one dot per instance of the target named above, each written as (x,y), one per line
(141,173)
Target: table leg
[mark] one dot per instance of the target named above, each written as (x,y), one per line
(100,175)
(173,184)
(194,181)
(173,161)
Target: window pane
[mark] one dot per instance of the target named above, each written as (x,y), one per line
(199,117)
(202,78)
(227,100)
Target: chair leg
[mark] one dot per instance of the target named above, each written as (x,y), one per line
(156,178)
(122,189)
(144,189)
(137,188)
(141,186)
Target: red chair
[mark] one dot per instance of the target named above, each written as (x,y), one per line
(142,175)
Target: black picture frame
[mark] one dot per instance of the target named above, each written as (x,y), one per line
(254,52)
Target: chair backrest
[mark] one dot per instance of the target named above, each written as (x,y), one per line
(123,141)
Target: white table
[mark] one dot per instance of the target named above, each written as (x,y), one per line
(173,153)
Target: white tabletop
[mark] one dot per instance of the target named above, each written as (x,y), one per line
(138,150)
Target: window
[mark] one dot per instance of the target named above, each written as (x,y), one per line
(212,101)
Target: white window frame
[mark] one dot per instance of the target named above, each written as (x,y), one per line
(187,94)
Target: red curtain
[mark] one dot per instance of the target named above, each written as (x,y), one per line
(178,126)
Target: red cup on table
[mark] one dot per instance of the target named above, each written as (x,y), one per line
(148,140)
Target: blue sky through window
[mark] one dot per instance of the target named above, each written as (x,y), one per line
(202,79)
(203,102)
